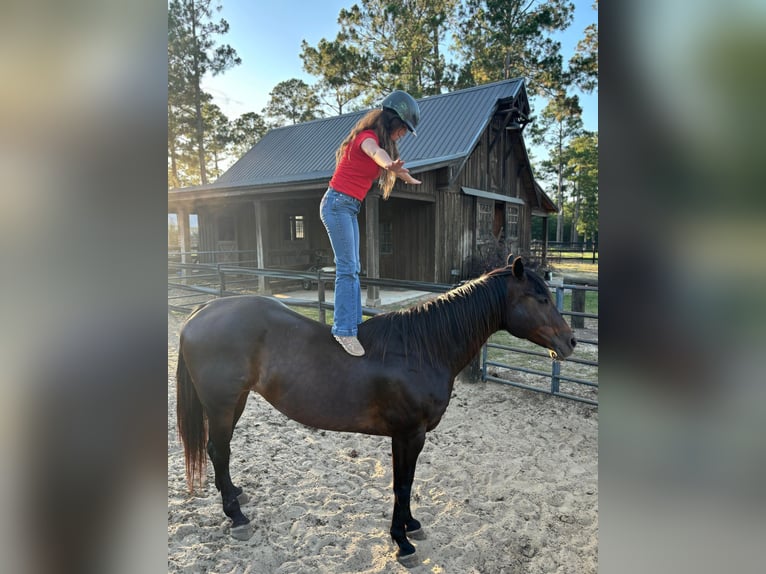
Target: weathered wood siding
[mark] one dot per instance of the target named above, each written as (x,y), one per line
(412,239)
(492,166)
(246,237)
(283,251)
(456,234)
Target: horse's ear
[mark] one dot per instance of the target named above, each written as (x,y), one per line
(518,268)
(509,260)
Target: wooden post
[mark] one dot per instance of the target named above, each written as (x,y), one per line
(321,301)
(472,371)
(372,208)
(184,240)
(578,306)
(259,252)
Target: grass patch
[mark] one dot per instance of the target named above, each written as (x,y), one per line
(568,368)
(591,302)
(575,266)
(569,255)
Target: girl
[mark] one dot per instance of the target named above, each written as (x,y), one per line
(369,152)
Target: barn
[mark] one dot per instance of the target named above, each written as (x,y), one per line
(478,195)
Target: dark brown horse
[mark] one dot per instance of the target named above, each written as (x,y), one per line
(400,388)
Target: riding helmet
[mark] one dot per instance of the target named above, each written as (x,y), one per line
(405,107)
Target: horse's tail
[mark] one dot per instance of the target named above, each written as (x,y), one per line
(192,426)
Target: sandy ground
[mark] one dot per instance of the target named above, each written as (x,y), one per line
(507,483)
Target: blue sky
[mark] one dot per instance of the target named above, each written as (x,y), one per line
(267,37)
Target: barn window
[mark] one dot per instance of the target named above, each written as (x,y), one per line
(294,230)
(512,221)
(485,216)
(386,238)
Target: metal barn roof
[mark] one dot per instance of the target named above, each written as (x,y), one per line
(449,128)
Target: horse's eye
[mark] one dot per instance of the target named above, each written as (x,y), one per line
(544,300)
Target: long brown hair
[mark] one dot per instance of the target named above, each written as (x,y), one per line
(383,122)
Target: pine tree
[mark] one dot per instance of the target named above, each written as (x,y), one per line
(385,45)
(584,64)
(246,131)
(560,121)
(501,39)
(292,101)
(343,70)
(192,53)
(582,163)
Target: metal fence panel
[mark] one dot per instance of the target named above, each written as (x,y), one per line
(191,284)
(576,378)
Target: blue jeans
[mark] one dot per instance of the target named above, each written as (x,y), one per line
(339,212)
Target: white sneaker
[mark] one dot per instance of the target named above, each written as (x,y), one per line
(351,345)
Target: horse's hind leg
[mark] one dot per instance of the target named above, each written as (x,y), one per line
(220,429)
(241,496)
(405,455)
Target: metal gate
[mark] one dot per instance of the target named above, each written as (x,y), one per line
(576,378)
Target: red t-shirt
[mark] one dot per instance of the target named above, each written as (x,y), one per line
(356,170)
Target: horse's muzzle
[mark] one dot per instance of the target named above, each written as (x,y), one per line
(563,353)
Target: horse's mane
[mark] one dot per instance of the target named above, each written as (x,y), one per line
(436,329)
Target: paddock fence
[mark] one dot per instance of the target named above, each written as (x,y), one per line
(576,378)
(503,359)
(566,250)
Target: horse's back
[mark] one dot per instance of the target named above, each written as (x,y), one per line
(244,316)
(235,344)
(237,331)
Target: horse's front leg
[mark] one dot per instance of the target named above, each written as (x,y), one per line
(406,450)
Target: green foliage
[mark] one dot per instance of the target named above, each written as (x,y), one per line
(581,158)
(384,45)
(578,163)
(192,53)
(499,39)
(292,101)
(583,65)
(343,70)
(245,132)
(217,137)
(559,122)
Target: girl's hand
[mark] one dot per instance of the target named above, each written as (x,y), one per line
(407,178)
(402,172)
(397,166)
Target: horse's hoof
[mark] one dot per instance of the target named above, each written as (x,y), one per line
(242,532)
(418,534)
(242,499)
(408,561)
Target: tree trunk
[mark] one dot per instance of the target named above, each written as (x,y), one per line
(174,182)
(198,105)
(560,193)
(437,64)
(200,132)
(573,236)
